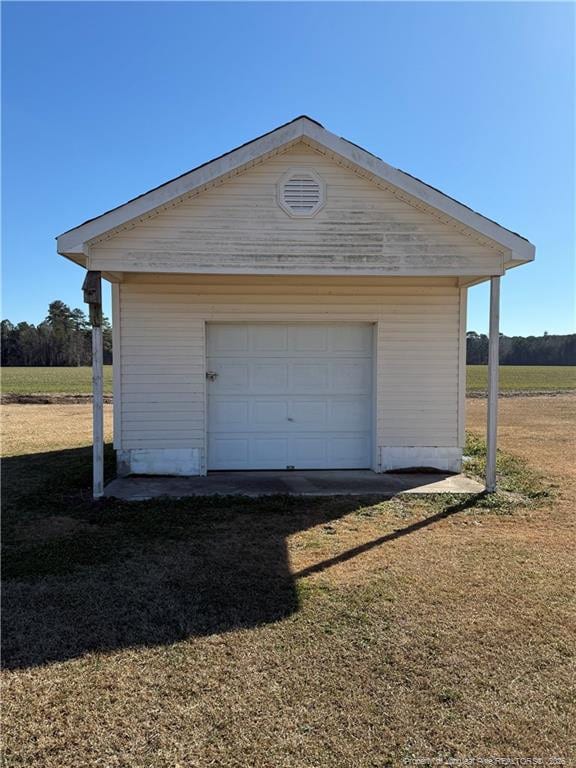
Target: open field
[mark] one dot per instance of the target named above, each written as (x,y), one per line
(72,381)
(523,378)
(286,632)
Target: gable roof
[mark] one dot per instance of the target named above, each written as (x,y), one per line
(72,242)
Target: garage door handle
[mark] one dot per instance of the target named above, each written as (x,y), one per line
(211,375)
(289,418)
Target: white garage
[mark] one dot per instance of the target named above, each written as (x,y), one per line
(294,303)
(289,395)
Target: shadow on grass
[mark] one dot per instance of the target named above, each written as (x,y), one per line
(470,501)
(82,577)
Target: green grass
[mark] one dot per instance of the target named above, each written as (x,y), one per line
(70,381)
(524,377)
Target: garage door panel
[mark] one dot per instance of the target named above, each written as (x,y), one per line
(351,377)
(267,413)
(353,339)
(309,377)
(268,378)
(291,377)
(278,451)
(269,451)
(228,452)
(270,339)
(256,414)
(310,338)
(289,395)
(232,377)
(311,452)
(229,338)
(309,414)
(350,414)
(347,448)
(225,415)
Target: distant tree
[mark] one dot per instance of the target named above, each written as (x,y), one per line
(62,338)
(106,340)
(61,324)
(28,343)
(548,349)
(10,349)
(476,348)
(79,347)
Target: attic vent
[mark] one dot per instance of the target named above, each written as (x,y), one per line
(301,192)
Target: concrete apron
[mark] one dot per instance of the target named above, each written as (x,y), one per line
(301,483)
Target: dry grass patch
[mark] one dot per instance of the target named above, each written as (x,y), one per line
(288,632)
(38,429)
(46,450)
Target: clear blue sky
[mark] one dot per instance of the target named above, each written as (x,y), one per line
(102,101)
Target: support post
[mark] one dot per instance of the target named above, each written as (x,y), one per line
(97,413)
(493,384)
(92,288)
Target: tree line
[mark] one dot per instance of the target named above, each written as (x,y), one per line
(548,349)
(64,337)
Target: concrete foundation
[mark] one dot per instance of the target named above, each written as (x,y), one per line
(302,483)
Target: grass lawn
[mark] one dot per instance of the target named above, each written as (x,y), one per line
(523,378)
(71,381)
(287,632)
(28,381)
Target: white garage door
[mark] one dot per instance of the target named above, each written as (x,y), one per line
(289,396)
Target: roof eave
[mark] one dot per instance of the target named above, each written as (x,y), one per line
(522,255)
(76,255)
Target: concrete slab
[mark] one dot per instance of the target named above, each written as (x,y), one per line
(302,483)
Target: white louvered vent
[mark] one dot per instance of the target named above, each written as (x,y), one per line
(301,192)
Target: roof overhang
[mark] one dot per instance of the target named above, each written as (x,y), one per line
(74,242)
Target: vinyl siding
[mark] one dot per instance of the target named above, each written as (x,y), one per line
(238,227)
(162,333)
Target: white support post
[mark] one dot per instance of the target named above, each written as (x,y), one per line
(92,288)
(97,413)
(493,383)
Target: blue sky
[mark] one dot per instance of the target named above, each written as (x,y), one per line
(102,101)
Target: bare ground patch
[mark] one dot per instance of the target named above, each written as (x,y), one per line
(75,399)
(48,399)
(483,394)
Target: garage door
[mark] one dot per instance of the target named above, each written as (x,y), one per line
(283,396)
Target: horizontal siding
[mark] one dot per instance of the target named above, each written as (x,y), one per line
(237,226)
(163,371)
